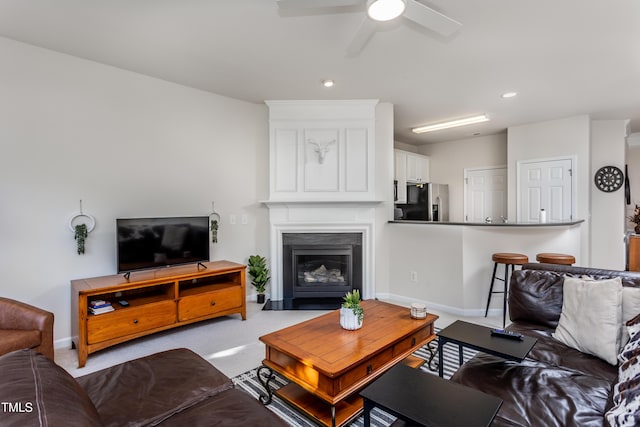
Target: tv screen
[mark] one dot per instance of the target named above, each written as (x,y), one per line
(160,242)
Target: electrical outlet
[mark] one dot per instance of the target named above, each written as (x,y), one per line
(414,276)
(232,219)
(245,219)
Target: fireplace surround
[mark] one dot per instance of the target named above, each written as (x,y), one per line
(321,265)
(318,218)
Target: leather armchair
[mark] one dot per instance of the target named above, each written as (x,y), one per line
(25,326)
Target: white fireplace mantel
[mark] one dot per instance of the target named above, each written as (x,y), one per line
(322,217)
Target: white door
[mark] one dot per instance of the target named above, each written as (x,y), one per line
(547,185)
(485,194)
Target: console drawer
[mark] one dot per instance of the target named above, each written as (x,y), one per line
(130,320)
(201,305)
(411,341)
(364,369)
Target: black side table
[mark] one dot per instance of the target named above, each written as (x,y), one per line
(427,400)
(479,338)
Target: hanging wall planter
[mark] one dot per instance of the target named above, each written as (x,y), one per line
(214,223)
(81,225)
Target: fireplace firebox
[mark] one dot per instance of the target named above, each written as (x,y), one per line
(321,265)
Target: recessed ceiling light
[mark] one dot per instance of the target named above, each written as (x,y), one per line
(328,83)
(385,10)
(509,94)
(451,124)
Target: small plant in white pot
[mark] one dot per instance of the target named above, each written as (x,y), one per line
(351,312)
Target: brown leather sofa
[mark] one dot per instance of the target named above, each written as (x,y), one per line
(555,385)
(25,326)
(171,388)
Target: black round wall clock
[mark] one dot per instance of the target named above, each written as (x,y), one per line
(608,179)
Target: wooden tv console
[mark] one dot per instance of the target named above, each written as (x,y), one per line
(159,299)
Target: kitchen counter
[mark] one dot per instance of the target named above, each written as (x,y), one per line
(448,265)
(491,224)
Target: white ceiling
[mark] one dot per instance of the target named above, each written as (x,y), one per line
(563,57)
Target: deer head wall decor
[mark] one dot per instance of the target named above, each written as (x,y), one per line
(321,148)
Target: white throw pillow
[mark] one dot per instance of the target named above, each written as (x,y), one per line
(630,303)
(591,318)
(630,309)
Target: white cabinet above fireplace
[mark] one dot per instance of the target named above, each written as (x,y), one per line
(322,150)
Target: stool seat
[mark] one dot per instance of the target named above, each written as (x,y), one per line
(553,258)
(509,258)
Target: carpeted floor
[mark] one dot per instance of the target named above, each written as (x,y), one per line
(249,382)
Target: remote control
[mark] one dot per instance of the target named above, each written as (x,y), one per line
(123,303)
(506,334)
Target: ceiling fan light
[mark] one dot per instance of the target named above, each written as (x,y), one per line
(385,10)
(451,124)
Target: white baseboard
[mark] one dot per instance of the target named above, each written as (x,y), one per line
(63,343)
(456,311)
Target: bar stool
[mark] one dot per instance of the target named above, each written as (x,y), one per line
(551,258)
(508,259)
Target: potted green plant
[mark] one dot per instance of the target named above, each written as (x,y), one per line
(351,312)
(259,273)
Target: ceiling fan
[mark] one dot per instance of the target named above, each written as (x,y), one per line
(377,11)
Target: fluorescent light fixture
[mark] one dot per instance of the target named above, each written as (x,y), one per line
(328,83)
(509,94)
(385,10)
(451,124)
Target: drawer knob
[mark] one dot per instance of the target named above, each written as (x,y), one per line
(369,369)
(213,303)
(135,321)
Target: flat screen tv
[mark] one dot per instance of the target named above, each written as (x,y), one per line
(144,243)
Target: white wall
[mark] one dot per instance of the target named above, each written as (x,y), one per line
(127,145)
(608,224)
(633,162)
(556,138)
(406,147)
(384,165)
(450,159)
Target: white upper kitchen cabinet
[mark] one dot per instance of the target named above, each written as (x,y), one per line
(417,168)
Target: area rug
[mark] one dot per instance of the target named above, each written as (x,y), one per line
(249,382)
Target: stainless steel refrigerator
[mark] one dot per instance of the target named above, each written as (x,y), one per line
(438,202)
(425,202)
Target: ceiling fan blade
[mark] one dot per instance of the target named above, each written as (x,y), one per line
(315,4)
(362,37)
(430,19)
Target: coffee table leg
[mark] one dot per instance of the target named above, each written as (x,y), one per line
(432,355)
(367,412)
(440,357)
(333,416)
(265,400)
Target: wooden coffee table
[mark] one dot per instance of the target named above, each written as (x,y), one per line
(328,365)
